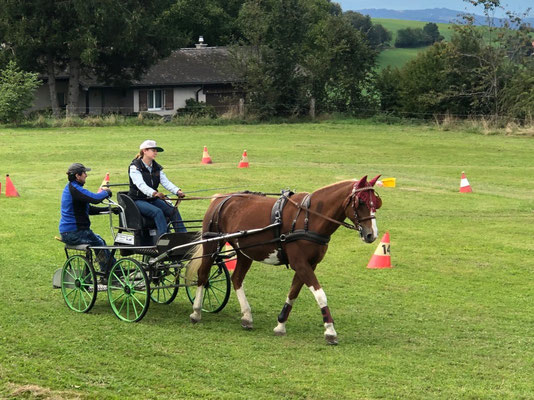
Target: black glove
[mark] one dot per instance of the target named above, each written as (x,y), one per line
(109,192)
(116,210)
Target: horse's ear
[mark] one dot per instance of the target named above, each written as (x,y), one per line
(373,181)
(362,182)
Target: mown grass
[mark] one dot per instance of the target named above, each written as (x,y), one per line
(452,319)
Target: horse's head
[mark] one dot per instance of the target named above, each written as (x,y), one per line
(361,208)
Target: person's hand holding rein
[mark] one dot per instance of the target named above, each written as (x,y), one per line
(159,195)
(180,194)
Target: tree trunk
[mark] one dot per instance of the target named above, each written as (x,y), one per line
(74,88)
(52,86)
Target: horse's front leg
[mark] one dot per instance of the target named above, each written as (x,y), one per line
(330,333)
(294,291)
(242,266)
(307,275)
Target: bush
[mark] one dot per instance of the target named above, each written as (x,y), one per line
(196,109)
(16,92)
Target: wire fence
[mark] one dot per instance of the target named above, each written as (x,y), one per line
(243,110)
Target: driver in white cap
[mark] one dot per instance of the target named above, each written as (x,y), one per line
(145,177)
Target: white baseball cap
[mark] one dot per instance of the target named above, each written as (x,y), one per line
(150,144)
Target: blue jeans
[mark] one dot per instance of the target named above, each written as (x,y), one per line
(159,211)
(87,236)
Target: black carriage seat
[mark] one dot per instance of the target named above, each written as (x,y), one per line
(144,229)
(169,240)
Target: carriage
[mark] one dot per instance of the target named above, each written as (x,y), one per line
(260,228)
(142,269)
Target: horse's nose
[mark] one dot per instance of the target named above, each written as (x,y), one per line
(369,238)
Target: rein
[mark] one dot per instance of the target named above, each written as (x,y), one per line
(349,200)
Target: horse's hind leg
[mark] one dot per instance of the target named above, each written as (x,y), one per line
(294,291)
(241,269)
(203,273)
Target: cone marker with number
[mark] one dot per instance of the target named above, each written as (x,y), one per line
(464,184)
(382,256)
(104,183)
(10,188)
(244,160)
(206,159)
(230,264)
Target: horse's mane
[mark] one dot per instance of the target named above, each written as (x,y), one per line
(253,193)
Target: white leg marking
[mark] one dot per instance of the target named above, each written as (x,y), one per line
(329,329)
(272,258)
(196,316)
(320,297)
(280,329)
(246,311)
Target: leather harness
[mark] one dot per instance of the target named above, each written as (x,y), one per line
(276,220)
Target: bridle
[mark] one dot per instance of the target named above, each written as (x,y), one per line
(351,199)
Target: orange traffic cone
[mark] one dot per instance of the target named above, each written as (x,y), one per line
(244,160)
(382,257)
(10,188)
(230,264)
(206,159)
(104,184)
(464,184)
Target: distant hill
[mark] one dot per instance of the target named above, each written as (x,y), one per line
(437,15)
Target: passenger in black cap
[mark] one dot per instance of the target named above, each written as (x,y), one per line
(76,206)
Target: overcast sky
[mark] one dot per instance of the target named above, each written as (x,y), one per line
(519,6)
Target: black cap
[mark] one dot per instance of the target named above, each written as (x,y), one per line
(77,168)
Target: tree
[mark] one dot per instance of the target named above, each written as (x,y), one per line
(16,92)
(431,32)
(302,50)
(479,72)
(114,42)
(376,34)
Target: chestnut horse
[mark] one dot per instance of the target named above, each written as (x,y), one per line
(306,224)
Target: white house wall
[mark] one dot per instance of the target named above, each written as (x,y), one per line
(180,95)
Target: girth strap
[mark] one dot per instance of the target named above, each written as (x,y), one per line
(302,234)
(276,218)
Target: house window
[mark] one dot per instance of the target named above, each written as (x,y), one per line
(155,99)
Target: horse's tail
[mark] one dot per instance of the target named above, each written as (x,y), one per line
(195,255)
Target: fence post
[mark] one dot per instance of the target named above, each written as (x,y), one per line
(241,108)
(312,108)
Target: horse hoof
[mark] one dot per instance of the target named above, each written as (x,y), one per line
(330,339)
(193,319)
(246,324)
(279,333)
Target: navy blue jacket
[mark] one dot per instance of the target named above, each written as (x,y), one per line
(75,207)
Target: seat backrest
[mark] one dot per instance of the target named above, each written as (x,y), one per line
(134,219)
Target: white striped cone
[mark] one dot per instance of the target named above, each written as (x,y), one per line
(464,184)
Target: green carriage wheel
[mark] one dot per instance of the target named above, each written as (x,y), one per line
(78,284)
(216,290)
(128,290)
(161,278)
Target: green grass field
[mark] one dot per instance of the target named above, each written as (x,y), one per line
(454,318)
